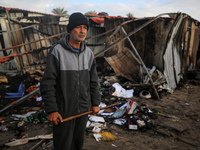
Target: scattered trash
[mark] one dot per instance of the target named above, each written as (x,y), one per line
(187,104)
(3,128)
(3,79)
(119,113)
(132,123)
(96,118)
(97,124)
(39,116)
(101,106)
(165,87)
(20,117)
(144,108)
(17,95)
(21,123)
(39,99)
(97,137)
(32,88)
(114,145)
(131,113)
(107,136)
(106,83)
(119,121)
(133,106)
(145,94)
(107,114)
(26,140)
(96,129)
(140,123)
(121,92)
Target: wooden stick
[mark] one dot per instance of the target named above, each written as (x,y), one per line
(85,113)
(36,145)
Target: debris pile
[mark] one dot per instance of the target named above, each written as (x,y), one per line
(123,104)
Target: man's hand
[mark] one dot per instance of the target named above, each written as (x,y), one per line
(95,109)
(54,118)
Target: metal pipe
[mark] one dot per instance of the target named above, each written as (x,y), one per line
(32,42)
(109,30)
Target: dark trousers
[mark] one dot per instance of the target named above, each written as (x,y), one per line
(70,135)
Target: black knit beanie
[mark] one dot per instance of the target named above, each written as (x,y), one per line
(77,19)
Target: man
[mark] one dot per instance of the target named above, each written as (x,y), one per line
(70,85)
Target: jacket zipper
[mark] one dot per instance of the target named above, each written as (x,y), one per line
(78,81)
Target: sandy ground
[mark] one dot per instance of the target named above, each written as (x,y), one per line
(177,126)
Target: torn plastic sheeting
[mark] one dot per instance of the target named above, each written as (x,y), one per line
(97,137)
(121,92)
(17,95)
(119,121)
(96,118)
(19,117)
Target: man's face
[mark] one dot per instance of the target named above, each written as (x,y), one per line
(79,33)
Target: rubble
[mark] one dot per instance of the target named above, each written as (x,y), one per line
(129,114)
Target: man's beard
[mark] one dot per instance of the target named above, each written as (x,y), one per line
(76,39)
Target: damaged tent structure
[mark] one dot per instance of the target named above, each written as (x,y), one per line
(169,44)
(129,45)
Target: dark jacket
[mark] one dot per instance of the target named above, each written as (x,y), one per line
(70,82)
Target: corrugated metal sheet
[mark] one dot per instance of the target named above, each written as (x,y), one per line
(172,56)
(94,30)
